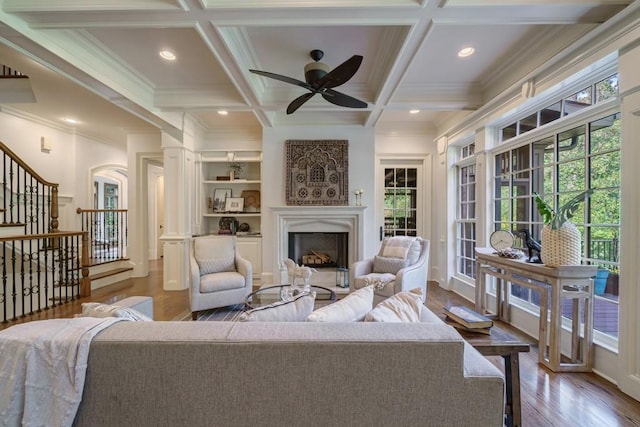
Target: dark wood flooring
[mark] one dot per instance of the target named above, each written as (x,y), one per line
(548,398)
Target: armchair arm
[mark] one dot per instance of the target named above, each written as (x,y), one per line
(359,268)
(245,268)
(195,276)
(414,275)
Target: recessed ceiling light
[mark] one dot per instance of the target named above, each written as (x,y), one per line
(168,55)
(70,121)
(223,112)
(467,51)
(414,111)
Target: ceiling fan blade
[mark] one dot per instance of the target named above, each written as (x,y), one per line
(338,98)
(282,78)
(341,74)
(297,103)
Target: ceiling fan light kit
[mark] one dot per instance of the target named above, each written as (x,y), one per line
(320,80)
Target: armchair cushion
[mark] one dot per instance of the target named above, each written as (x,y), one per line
(214,255)
(401,307)
(383,264)
(221,282)
(295,310)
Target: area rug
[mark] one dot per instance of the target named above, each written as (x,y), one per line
(220,314)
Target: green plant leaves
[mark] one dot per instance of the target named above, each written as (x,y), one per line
(556,218)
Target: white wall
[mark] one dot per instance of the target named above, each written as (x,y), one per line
(361,175)
(66,164)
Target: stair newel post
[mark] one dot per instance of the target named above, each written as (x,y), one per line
(85,282)
(54,209)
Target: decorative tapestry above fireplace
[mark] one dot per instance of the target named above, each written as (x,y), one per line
(317,172)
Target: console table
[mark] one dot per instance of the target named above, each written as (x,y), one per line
(564,282)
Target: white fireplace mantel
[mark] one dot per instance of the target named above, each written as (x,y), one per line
(327,219)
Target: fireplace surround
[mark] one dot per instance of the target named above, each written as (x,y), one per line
(318,219)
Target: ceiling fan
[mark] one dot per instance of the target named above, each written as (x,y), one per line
(320,80)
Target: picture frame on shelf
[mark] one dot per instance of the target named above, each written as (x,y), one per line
(234,204)
(220,197)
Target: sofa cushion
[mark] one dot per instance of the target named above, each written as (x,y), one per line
(221,282)
(351,308)
(389,265)
(401,307)
(295,310)
(96,309)
(214,254)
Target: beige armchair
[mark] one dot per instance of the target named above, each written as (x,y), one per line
(400,265)
(219,275)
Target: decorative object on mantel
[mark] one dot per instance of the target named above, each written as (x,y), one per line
(317,172)
(561,239)
(358,194)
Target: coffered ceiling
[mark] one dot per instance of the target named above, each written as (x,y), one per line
(97,60)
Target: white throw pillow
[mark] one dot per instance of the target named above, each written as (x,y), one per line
(214,254)
(295,310)
(351,308)
(96,309)
(401,307)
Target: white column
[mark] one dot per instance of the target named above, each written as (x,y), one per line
(179,201)
(629,338)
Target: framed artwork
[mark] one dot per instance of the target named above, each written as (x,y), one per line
(220,196)
(251,200)
(317,172)
(234,204)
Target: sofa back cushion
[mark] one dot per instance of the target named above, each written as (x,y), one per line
(295,310)
(401,307)
(214,254)
(351,308)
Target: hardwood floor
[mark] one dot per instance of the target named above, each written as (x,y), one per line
(548,398)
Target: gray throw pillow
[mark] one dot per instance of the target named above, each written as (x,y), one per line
(388,265)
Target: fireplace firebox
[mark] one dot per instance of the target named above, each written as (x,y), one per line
(319,249)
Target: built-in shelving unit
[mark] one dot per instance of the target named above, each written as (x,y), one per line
(218,180)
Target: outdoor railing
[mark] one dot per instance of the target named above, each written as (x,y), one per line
(41,271)
(107,233)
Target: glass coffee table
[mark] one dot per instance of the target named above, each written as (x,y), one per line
(269,294)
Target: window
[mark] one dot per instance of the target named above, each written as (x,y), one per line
(585,97)
(466,215)
(558,167)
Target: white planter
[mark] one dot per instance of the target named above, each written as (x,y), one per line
(561,246)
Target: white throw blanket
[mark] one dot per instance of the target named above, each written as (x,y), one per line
(42,369)
(397,247)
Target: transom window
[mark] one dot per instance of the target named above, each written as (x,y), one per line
(590,95)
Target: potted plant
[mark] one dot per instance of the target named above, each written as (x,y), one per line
(561,240)
(236,169)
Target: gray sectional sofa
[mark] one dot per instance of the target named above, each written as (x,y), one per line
(288,374)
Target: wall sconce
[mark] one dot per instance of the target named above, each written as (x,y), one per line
(342,277)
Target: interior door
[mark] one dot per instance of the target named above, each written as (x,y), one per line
(401,191)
